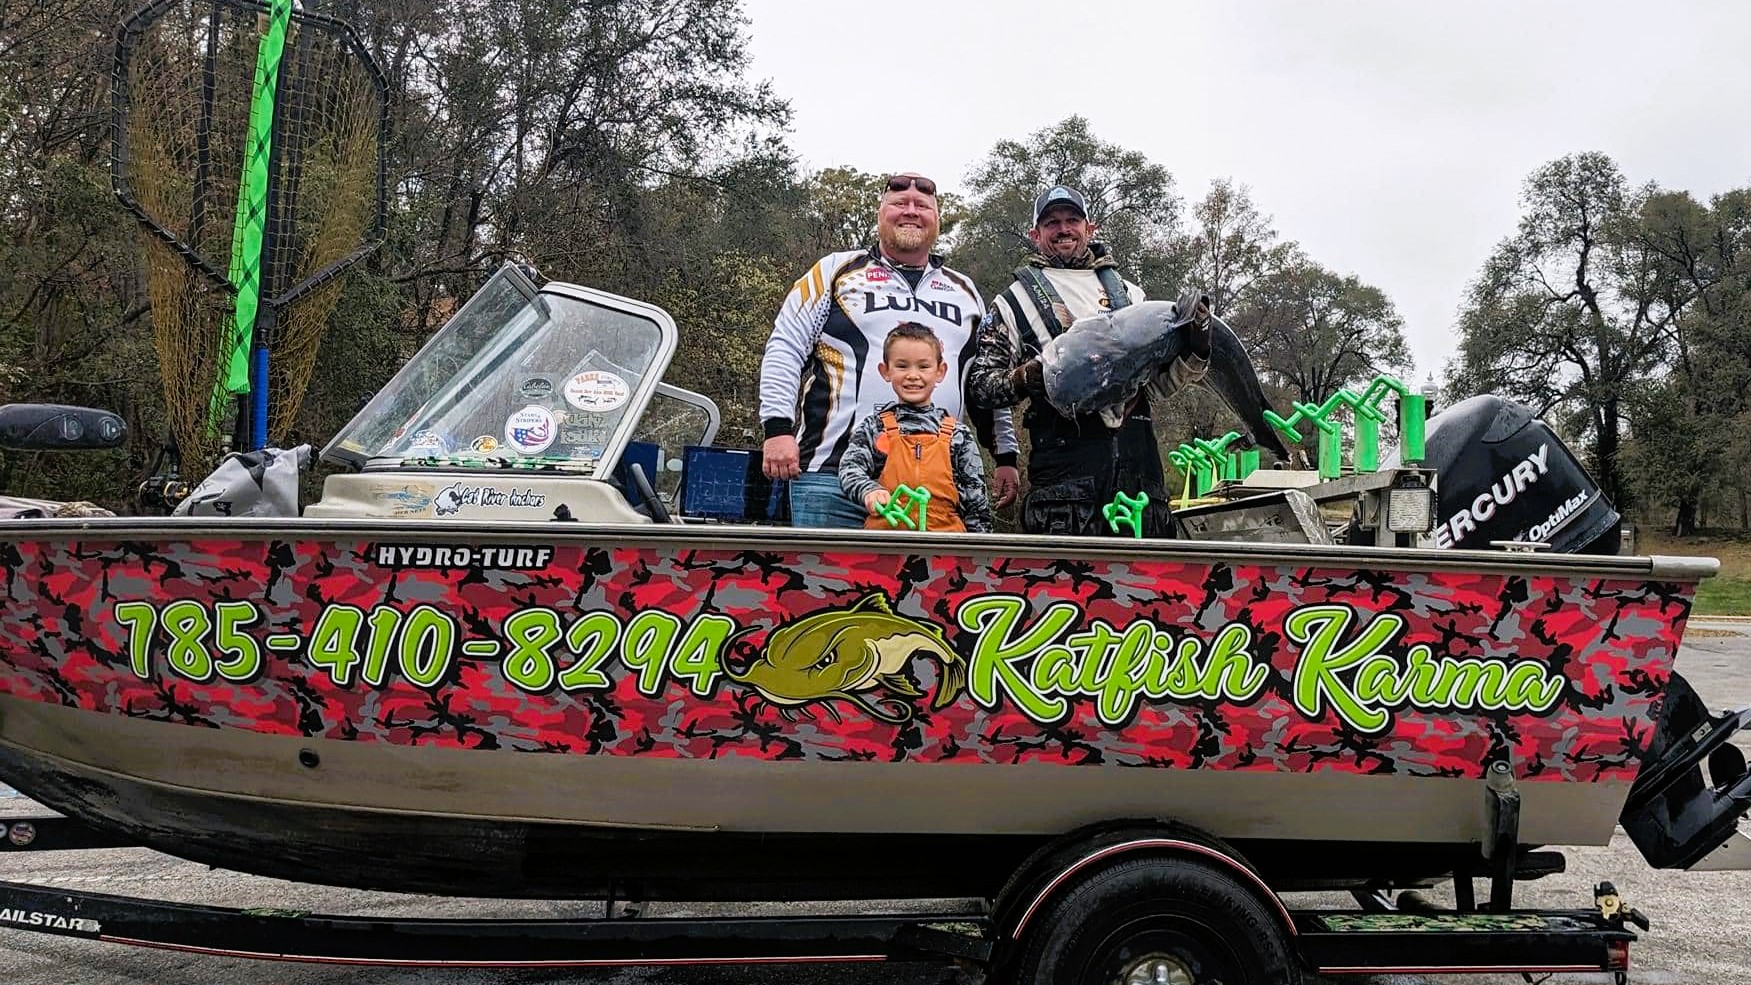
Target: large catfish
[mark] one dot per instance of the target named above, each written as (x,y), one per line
(1103,360)
(858,655)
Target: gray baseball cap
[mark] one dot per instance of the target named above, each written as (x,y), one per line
(1059,195)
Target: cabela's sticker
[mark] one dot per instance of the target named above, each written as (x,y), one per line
(596,391)
(484,443)
(530,430)
(535,387)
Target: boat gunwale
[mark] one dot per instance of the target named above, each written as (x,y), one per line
(738,537)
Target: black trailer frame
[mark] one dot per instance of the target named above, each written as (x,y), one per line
(1372,940)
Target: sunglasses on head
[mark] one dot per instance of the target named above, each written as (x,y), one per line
(901,182)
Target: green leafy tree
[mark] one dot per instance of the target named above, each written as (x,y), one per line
(71,322)
(1686,424)
(1130,198)
(840,208)
(1316,331)
(1232,246)
(1576,308)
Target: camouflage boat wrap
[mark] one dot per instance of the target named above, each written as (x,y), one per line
(707,652)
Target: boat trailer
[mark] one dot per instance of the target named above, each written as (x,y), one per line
(1067,884)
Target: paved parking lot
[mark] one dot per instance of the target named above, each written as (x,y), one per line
(1701,934)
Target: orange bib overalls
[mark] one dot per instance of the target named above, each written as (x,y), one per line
(921,461)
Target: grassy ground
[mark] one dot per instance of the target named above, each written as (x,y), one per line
(1726,594)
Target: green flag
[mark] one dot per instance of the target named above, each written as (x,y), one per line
(252,203)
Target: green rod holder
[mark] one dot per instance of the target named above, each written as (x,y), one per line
(1331,453)
(900,508)
(1413,413)
(1126,511)
(1367,443)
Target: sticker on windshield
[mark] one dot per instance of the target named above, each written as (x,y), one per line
(484,443)
(597,391)
(427,442)
(530,430)
(535,387)
(578,430)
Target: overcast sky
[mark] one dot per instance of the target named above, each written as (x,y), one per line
(1389,138)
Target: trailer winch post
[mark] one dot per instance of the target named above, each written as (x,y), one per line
(1502,847)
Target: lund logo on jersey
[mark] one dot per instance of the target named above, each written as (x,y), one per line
(948,311)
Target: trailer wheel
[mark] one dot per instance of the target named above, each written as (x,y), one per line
(1158,921)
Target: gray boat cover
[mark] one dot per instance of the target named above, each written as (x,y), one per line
(253,483)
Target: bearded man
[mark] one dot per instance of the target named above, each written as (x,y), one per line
(1075,466)
(819,375)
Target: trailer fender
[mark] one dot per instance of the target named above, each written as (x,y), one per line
(1058,866)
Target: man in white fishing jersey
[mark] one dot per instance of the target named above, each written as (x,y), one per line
(819,375)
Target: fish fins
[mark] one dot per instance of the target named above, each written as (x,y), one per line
(899,684)
(873,602)
(935,632)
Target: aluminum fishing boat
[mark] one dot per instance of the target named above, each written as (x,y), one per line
(498,659)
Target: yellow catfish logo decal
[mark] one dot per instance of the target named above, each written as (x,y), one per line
(858,655)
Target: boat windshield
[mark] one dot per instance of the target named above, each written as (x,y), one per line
(519,379)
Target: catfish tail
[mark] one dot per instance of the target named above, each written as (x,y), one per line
(954,681)
(1231,376)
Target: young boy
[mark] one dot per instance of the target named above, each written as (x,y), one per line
(915,443)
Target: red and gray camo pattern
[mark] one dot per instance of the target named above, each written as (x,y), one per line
(1614,641)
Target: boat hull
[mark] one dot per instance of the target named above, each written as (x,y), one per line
(386,818)
(971,698)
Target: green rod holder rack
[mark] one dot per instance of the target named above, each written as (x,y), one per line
(1204,462)
(1413,416)
(1365,411)
(1331,453)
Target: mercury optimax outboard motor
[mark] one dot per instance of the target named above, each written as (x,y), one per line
(1505,475)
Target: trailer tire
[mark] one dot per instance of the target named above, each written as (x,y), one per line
(1138,919)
